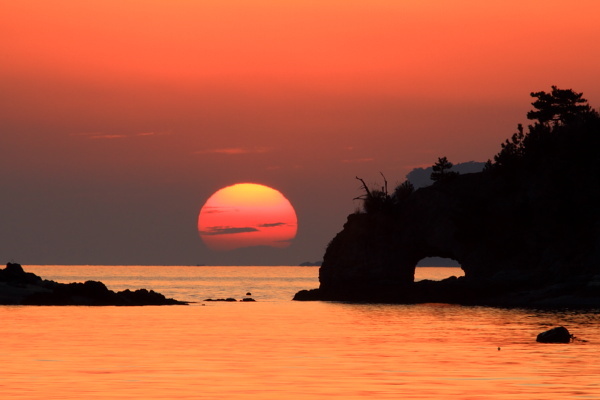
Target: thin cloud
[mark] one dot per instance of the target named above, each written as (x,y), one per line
(272,225)
(153,133)
(101,135)
(232,151)
(358,160)
(107,136)
(226,230)
(218,210)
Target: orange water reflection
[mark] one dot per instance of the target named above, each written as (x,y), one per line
(293,350)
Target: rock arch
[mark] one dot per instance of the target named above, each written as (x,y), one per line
(437,269)
(375,255)
(438,262)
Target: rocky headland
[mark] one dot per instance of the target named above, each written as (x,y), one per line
(18,287)
(526,230)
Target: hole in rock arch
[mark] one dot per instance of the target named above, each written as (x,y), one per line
(437,268)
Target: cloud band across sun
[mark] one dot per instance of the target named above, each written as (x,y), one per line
(272,225)
(226,230)
(229,230)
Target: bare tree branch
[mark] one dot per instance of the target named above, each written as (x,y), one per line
(385,188)
(365,187)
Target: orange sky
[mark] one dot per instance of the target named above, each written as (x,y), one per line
(119,119)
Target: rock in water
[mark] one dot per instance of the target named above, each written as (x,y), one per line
(559,334)
(18,287)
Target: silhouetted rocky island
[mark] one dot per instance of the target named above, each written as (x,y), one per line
(525,230)
(18,287)
(310,264)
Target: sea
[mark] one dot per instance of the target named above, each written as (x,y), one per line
(276,348)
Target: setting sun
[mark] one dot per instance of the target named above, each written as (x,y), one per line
(246,215)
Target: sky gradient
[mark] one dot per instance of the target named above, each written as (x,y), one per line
(119,119)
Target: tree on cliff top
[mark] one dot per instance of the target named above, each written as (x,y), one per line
(559,107)
(512,149)
(402,192)
(556,114)
(441,170)
(375,200)
(379,200)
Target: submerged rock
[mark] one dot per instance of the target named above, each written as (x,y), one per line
(227,299)
(231,299)
(559,334)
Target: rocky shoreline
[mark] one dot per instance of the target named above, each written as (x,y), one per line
(579,293)
(18,287)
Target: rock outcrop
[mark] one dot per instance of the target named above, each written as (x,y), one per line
(525,234)
(560,334)
(18,287)
(513,250)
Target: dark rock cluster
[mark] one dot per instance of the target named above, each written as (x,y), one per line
(18,287)
(231,299)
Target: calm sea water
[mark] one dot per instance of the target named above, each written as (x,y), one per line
(275,348)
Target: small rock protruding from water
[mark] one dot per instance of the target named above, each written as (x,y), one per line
(559,334)
(248,294)
(229,299)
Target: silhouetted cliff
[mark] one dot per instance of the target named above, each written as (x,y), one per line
(526,230)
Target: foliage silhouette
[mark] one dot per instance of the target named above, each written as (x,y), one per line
(403,191)
(441,170)
(512,148)
(560,114)
(559,107)
(375,200)
(563,122)
(380,200)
